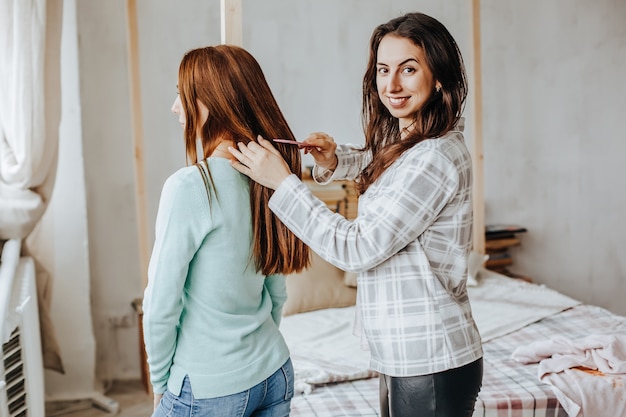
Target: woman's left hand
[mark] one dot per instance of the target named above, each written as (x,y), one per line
(261,162)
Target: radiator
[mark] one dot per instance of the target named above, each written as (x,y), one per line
(21,367)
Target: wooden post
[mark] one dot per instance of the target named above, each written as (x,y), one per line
(231,22)
(140,183)
(477,145)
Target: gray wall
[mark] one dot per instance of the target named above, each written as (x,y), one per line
(554,105)
(552,137)
(62,237)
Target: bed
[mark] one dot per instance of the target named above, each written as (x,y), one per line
(333,378)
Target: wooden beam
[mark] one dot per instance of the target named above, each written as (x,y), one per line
(140,189)
(231,22)
(137,136)
(477,143)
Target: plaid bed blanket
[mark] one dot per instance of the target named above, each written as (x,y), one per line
(509,388)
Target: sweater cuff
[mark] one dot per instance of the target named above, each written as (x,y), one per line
(324,176)
(321,175)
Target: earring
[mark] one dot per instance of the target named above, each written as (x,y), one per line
(438,87)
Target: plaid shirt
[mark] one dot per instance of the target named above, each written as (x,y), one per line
(409,245)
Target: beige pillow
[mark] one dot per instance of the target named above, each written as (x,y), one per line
(320,286)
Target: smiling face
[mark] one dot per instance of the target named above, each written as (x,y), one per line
(403,79)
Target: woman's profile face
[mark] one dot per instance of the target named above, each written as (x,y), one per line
(403,79)
(177,109)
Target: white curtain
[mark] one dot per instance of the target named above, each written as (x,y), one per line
(30,112)
(30,109)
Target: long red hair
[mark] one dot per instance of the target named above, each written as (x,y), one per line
(230,83)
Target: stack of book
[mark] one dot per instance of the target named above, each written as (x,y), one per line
(498,239)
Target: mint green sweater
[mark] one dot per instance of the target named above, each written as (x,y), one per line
(206,312)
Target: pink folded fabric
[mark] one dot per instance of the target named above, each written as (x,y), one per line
(605,353)
(587,375)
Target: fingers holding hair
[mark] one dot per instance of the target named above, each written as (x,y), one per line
(242,160)
(261,162)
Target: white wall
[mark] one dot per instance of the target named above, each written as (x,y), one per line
(108,156)
(554,108)
(165,34)
(552,96)
(62,237)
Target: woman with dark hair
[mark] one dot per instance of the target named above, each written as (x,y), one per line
(411,239)
(216,287)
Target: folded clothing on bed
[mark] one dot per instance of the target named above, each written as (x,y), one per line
(603,352)
(588,375)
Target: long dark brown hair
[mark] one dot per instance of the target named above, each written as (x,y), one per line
(230,83)
(436,117)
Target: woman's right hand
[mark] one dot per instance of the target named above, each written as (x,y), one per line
(323,150)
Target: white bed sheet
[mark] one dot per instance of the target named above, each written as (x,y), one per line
(324,349)
(502,305)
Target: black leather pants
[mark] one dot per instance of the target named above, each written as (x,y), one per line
(450,393)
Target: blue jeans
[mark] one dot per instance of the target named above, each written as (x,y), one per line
(269,398)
